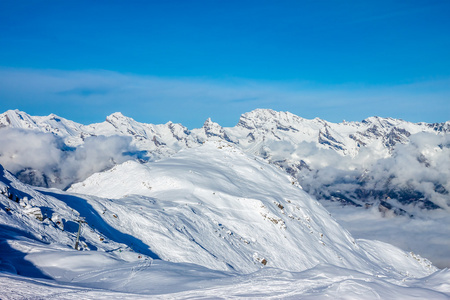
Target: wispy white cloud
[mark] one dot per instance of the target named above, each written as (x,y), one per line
(43,159)
(422,166)
(191,100)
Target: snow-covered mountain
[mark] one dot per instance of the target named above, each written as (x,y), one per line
(209,221)
(225,210)
(359,163)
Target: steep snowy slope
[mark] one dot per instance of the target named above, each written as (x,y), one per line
(37,236)
(28,216)
(218,207)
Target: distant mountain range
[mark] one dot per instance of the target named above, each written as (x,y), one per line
(396,165)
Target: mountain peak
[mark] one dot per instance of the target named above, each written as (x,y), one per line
(213,129)
(263,113)
(210,124)
(207,122)
(116,115)
(118,118)
(268,119)
(16,118)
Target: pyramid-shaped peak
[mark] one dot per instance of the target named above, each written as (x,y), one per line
(16,112)
(55,117)
(116,115)
(17,118)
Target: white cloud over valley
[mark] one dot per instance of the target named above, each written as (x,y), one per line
(43,159)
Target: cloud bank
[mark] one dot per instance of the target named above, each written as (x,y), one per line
(415,176)
(43,159)
(427,235)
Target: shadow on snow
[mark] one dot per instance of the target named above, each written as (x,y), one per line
(94,219)
(13,260)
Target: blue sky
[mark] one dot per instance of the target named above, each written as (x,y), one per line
(186,61)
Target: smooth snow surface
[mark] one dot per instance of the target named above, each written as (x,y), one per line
(163,280)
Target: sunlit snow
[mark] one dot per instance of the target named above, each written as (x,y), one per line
(208,222)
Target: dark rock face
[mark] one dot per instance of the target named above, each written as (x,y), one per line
(396,135)
(326,138)
(215,130)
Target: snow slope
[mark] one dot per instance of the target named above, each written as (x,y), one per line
(163,280)
(208,222)
(230,211)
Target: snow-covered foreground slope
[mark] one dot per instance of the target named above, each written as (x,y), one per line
(208,222)
(229,211)
(163,280)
